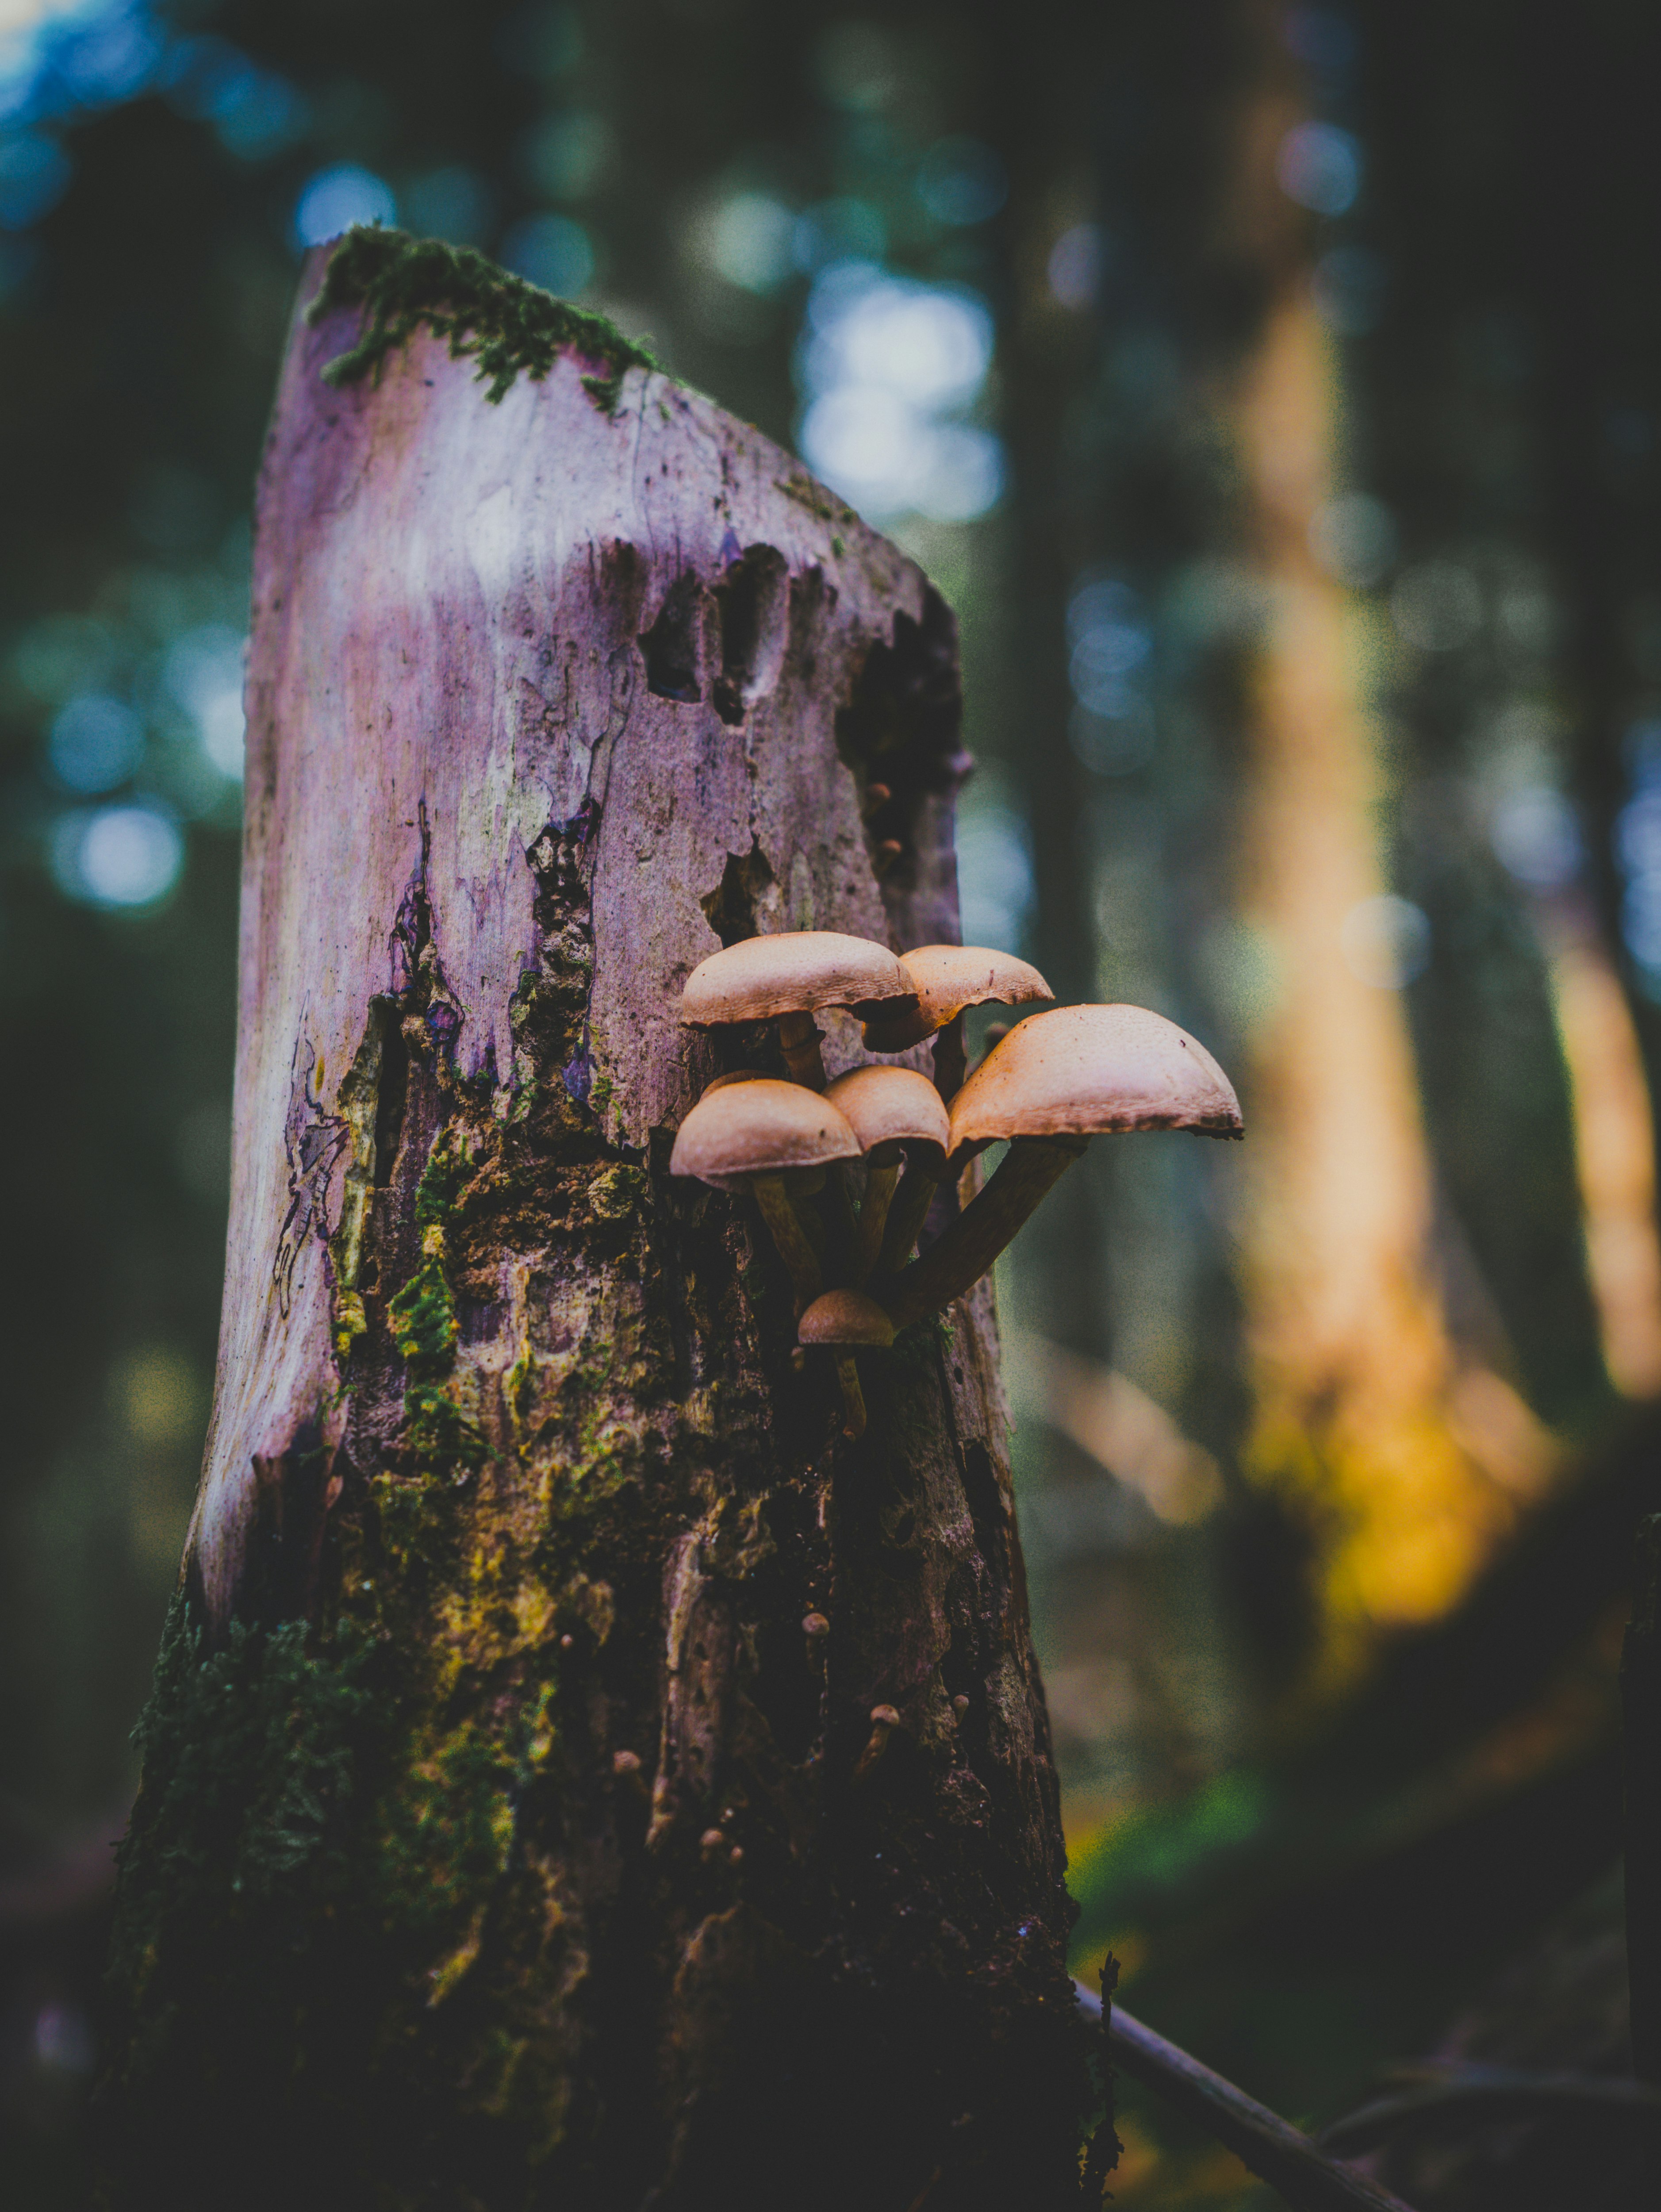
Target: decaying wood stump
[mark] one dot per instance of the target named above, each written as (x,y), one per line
(505,1840)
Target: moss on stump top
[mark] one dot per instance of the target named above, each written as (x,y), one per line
(507,324)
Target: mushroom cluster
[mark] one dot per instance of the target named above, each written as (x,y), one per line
(1047,1086)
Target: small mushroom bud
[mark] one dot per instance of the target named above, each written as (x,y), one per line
(960,1704)
(736,1855)
(884,1721)
(567,1641)
(712,1840)
(887,854)
(815,1624)
(625,1762)
(878,796)
(843,1319)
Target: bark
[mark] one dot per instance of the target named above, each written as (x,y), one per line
(504,1838)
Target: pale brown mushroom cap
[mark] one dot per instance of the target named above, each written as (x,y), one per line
(845,1317)
(760,1127)
(1080,1070)
(891,1106)
(947,978)
(795,973)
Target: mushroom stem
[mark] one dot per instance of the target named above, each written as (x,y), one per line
(873,1219)
(846,1217)
(798,1036)
(853,1400)
(906,1215)
(788,1234)
(951,1062)
(982,1230)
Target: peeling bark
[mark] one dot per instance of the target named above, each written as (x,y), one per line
(505,1838)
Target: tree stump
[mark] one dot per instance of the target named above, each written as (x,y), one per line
(506,1838)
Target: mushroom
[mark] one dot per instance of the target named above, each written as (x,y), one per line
(786,979)
(843,1319)
(947,978)
(748,1135)
(1058,1080)
(897,1113)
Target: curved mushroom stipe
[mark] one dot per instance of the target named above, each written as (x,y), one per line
(853,1398)
(907,1212)
(951,1057)
(986,1225)
(795,1249)
(880,1182)
(798,1040)
(894,1111)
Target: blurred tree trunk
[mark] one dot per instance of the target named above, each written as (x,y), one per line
(504,1838)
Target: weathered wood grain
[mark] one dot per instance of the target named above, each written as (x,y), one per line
(504,1840)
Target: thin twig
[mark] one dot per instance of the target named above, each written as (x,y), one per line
(1288,2160)
(1478,2096)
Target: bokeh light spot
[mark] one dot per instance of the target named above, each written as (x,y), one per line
(838,230)
(95,743)
(567,156)
(35,174)
(1076,264)
(204,671)
(752,240)
(1347,286)
(1536,837)
(552,250)
(994,867)
(1354,538)
(337,198)
(1319,167)
(454,202)
(961,182)
(1386,941)
(116,856)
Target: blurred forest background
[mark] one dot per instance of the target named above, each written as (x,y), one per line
(1274,393)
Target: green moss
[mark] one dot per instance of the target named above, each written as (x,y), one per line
(310,1885)
(425,1331)
(424,1318)
(447,1169)
(436,1429)
(445,1834)
(247,1752)
(507,325)
(806,492)
(252,1757)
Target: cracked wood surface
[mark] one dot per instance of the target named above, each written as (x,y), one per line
(610,1898)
